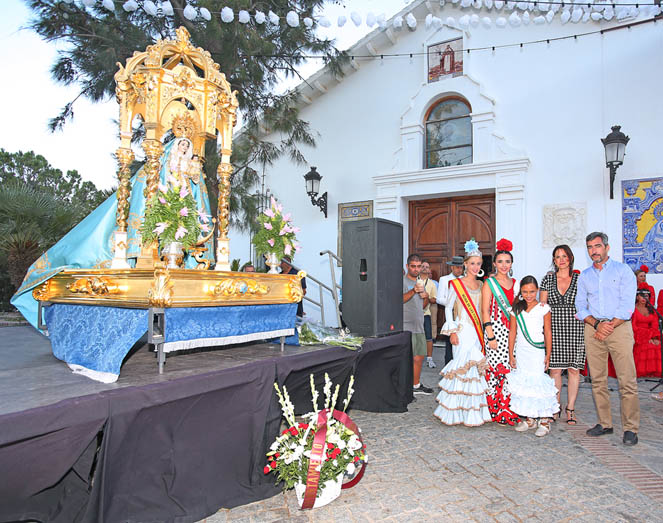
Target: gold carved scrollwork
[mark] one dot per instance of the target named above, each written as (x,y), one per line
(161,292)
(95,286)
(42,293)
(224,171)
(124,159)
(231,288)
(153,149)
(295,292)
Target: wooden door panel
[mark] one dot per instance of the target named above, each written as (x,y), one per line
(440,227)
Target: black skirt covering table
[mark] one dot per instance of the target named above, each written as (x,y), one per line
(179,450)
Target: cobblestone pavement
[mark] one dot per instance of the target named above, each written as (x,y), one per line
(421,470)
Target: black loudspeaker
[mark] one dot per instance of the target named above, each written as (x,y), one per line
(373,276)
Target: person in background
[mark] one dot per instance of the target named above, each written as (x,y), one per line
(647,347)
(456,266)
(641,277)
(559,289)
(430,325)
(287,268)
(415,299)
(248,267)
(605,303)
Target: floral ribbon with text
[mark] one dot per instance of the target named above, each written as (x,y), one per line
(317,455)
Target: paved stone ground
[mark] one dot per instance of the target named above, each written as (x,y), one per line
(420,470)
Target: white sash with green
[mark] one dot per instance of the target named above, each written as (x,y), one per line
(500,297)
(523,329)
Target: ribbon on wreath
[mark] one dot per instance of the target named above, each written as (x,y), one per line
(318,454)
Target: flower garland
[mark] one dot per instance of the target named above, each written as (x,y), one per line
(171,216)
(276,233)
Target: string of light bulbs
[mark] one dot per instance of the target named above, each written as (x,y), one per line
(572,10)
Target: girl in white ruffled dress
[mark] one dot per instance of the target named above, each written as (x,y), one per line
(533,392)
(463,388)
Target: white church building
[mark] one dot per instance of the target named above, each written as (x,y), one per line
(455,129)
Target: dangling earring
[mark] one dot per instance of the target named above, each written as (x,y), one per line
(510,273)
(480,273)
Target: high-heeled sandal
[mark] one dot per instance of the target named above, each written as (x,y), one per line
(570,416)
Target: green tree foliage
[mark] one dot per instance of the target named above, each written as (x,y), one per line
(254,58)
(38,205)
(67,188)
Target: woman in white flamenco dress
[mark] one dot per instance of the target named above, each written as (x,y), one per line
(463,387)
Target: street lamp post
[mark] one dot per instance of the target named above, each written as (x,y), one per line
(615,146)
(312,179)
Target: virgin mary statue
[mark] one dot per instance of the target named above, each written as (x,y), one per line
(89,245)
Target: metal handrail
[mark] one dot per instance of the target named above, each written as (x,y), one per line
(322,287)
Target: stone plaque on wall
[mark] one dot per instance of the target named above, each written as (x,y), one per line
(349,212)
(564,223)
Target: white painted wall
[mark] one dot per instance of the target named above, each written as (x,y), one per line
(552,104)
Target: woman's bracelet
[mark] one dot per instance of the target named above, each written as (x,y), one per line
(487,323)
(491,339)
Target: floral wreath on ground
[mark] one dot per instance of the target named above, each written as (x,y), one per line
(321,449)
(276,233)
(171,216)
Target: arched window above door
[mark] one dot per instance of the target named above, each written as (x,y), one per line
(448,134)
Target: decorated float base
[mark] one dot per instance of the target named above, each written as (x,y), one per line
(94,317)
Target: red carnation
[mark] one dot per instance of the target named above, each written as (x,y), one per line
(273,464)
(644,269)
(293,431)
(356,458)
(504,245)
(303,426)
(330,445)
(276,456)
(266,469)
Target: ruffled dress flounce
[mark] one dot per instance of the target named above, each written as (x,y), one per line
(463,387)
(533,392)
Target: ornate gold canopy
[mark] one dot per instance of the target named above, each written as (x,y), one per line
(173,86)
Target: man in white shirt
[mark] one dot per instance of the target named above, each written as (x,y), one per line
(456,265)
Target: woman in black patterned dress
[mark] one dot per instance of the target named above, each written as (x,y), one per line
(558,289)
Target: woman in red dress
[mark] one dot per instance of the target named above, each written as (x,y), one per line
(647,348)
(641,276)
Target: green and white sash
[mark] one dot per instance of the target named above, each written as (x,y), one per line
(500,297)
(523,328)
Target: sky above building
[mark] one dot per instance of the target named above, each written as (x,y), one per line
(88,142)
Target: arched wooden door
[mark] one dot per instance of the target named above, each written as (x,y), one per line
(439,228)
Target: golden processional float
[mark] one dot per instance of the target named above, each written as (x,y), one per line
(172,86)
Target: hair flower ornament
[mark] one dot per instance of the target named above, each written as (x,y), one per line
(504,245)
(472,248)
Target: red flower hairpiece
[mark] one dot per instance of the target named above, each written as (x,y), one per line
(644,269)
(504,245)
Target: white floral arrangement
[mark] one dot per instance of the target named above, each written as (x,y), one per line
(289,456)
